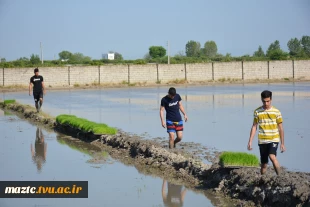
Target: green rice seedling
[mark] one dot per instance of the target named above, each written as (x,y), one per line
(85,125)
(10,101)
(238,159)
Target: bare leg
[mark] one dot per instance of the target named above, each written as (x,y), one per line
(178,138)
(41,101)
(275,163)
(171,140)
(263,168)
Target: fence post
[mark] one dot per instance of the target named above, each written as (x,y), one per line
(99,75)
(212,71)
(185,71)
(268,68)
(157,73)
(128,74)
(293,63)
(69,75)
(242,70)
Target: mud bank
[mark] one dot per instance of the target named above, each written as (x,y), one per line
(245,186)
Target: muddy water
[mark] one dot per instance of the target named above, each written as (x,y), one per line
(219,116)
(29,153)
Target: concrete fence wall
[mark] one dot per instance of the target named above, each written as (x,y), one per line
(159,73)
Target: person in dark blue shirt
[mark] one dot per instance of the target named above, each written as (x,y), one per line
(174,123)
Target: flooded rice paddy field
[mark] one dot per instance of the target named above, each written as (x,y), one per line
(30,153)
(220,118)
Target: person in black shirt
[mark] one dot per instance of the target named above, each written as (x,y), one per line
(174,123)
(38,152)
(38,88)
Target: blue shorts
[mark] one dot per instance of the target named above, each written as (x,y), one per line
(174,126)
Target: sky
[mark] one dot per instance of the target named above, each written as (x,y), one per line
(95,27)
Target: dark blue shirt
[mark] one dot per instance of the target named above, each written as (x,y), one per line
(172,107)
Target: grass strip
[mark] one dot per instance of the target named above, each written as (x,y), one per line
(85,125)
(238,159)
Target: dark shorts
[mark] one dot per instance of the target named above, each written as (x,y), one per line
(174,126)
(267,149)
(37,96)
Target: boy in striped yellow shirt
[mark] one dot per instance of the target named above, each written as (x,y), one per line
(270,132)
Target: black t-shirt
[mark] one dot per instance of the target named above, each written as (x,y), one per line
(172,107)
(37,83)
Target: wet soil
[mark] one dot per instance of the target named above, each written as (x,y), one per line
(242,186)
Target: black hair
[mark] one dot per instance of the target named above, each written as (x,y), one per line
(266,94)
(36,70)
(172,91)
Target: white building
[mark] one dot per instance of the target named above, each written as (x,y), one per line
(110,56)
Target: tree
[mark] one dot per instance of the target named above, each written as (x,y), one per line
(23,59)
(157,51)
(2,60)
(305,41)
(118,56)
(192,49)
(294,46)
(65,55)
(273,46)
(79,58)
(35,59)
(210,49)
(259,52)
(278,54)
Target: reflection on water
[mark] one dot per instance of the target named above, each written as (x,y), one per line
(72,159)
(38,152)
(76,144)
(219,116)
(174,196)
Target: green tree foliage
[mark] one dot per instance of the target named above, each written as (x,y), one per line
(272,47)
(35,59)
(210,49)
(259,52)
(118,56)
(192,49)
(278,54)
(23,59)
(157,51)
(79,58)
(65,55)
(305,42)
(294,46)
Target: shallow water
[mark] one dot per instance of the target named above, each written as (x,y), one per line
(219,116)
(110,183)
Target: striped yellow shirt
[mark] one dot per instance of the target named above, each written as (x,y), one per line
(268,121)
